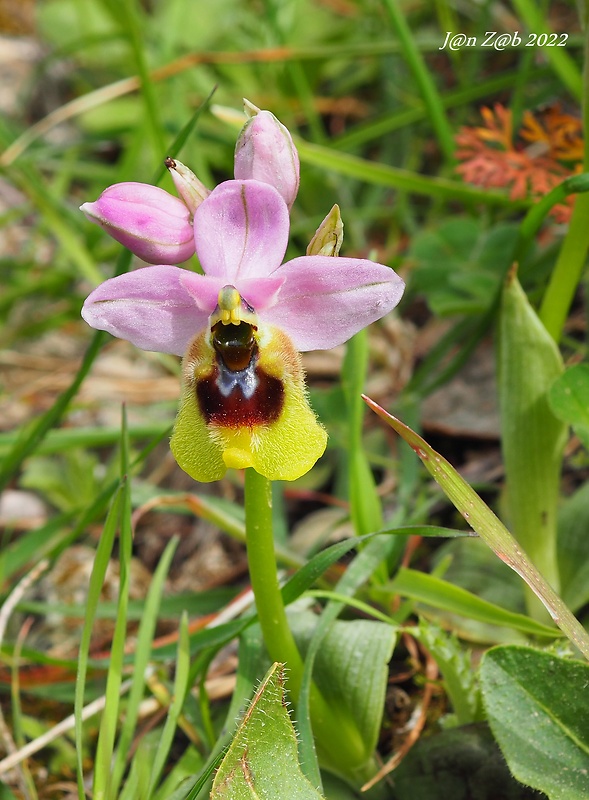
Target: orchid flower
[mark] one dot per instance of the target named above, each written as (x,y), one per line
(240,327)
(157,227)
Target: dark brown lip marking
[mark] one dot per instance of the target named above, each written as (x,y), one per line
(238,392)
(235,410)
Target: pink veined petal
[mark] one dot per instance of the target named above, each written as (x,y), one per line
(154,308)
(325,300)
(241,231)
(261,293)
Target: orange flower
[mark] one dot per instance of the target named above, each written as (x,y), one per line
(547,149)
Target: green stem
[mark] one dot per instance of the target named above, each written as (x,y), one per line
(422,75)
(264,579)
(535,19)
(567,270)
(336,735)
(571,260)
(130,12)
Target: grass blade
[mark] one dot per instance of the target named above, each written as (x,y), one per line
(489,528)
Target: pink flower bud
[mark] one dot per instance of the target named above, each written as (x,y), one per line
(191,190)
(265,152)
(153,224)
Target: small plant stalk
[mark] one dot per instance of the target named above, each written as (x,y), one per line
(336,736)
(569,267)
(278,637)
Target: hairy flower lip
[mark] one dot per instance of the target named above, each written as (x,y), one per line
(150,222)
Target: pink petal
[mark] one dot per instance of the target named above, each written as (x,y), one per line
(261,293)
(241,231)
(158,308)
(325,300)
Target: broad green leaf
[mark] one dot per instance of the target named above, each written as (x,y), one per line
(569,400)
(458,265)
(262,760)
(489,528)
(357,573)
(6,793)
(351,670)
(252,662)
(538,706)
(532,439)
(457,764)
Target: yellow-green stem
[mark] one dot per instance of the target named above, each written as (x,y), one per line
(571,260)
(337,737)
(264,579)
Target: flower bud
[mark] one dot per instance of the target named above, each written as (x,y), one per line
(153,224)
(329,235)
(191,190)
(265,152)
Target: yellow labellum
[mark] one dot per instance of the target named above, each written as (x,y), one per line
(259,417)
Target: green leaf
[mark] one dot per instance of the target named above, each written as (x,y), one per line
(101,561)
(455,664)
(573,548)
(458,763)
(262,760)
(569,400)
(351,670)
(441,594)
(538,707)
(357,573)
(563,64)
(108,723)
(365,505)
(6,793)
(458,264)
(147,627)
(33,433)
(68,482)
(532,438)
(397,178)
(181,686)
